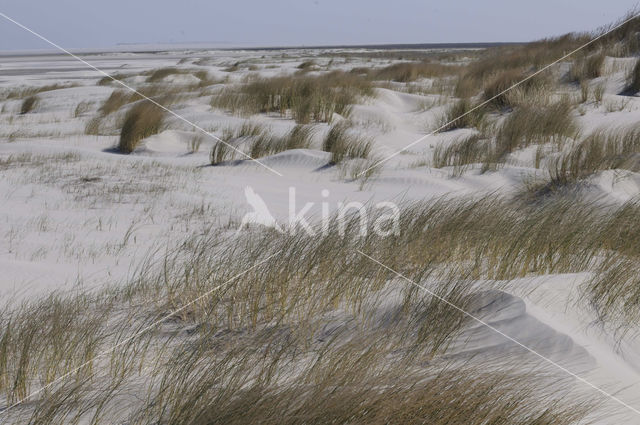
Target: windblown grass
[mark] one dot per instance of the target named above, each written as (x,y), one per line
(461,114)
(495,90)
(161,73)
(633,79)
(623,41)
(303,335)
(81,109)
(529,125)
(105,81)
(257,140)
(344,144)
(220,152)
(604,149)
(29,104)
(498,68)
(116,100)
(93,126)
(306,65)
(304,98)
(142,120)
(587,67)
(23,92)
(502,66)
(158,75)
(461,153)
(318,333)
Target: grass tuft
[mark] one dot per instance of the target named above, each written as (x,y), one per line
(460,114)
(257,141)
(587,67)
(604,149)
(633,80)
(29,104)
(530,125)
(304,98)
(116,100)
(142,120)
(504,80)
(461,153)
(343,144)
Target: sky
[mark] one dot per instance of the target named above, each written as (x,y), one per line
(104,24)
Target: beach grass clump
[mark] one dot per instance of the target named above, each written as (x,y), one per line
(633,79)
(498,90)
(530,125)
(603,149)
(116,100)
(257,140)
(158,75)
(306,65)
(29,104)
(27,91)
(108,80)
(141,121)
(499,67)
(622,41)
(461,153)
(343,143)
(462,114)
(587,67)
(299,137)
(236,141)
(220,152)
(161,73)
(304,98)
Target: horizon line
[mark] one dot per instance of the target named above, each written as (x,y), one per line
(202,46)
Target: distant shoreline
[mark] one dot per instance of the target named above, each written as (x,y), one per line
(151,49)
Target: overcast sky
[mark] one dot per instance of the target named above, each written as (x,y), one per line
(90,23)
